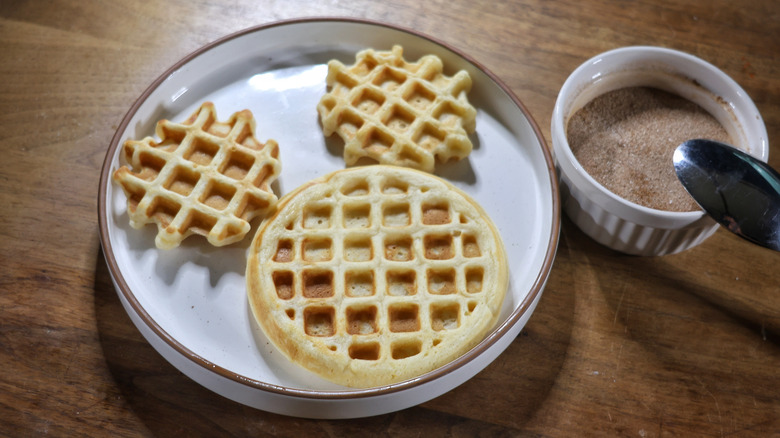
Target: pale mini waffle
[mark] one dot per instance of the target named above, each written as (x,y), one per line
(396,112)
(202,177)
(376,274)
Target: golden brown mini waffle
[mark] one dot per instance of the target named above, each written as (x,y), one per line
(203,177)
(397,112)
(373,275)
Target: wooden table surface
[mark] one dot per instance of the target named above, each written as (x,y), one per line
(680,345)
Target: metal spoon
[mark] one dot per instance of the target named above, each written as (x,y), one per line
(739,191)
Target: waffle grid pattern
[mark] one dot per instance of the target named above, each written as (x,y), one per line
(203,177)
(396,112)
(378,269)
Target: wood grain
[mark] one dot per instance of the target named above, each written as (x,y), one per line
(680,345)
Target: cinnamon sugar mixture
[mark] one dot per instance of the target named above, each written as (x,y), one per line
(625,140)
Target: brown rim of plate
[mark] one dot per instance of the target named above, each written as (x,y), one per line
(497,333)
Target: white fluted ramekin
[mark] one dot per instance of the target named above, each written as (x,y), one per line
(616,222)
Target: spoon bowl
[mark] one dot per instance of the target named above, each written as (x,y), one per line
(737,190)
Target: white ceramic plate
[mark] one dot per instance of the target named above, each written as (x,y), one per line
(190,303)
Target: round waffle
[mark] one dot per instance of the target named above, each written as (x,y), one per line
(377,274)
(202,177)
(396,112)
